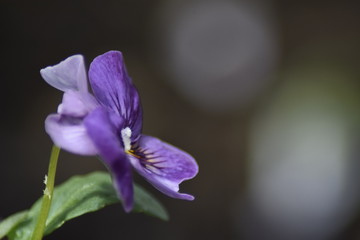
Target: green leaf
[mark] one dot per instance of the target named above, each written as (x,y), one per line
(11,222)
(146,203)
(80,195)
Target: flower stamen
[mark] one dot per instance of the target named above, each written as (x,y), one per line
(132,153)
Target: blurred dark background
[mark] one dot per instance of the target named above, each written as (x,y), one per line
(264,94)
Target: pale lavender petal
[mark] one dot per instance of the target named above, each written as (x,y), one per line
(113,88)
(77,104)
(101,130)
(163,165)
(69,74)
(69,134)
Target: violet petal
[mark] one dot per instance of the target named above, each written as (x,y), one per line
(163,165)
(113,88)
(101,130)
(69,134)
(69,74)
(77,104)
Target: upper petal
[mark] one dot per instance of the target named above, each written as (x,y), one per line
(163,165)
(69,134)
(113,88)
(69,74)
(102,131)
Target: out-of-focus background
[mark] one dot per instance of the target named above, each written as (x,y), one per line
(264,94)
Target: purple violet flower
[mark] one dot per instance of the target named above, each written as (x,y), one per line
(109,124)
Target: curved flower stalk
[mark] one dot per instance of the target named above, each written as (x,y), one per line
(109,124)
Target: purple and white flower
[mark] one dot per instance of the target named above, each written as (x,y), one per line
(109,124)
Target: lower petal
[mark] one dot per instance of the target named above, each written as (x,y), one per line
(69,134)
(163,165)
(102,131)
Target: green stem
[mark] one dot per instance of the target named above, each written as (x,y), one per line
(48,195)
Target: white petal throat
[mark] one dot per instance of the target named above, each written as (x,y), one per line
(126,135)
